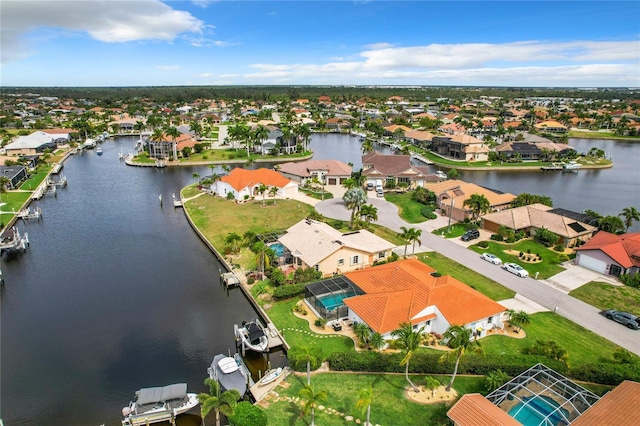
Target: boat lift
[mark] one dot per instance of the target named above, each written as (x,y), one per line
(11,240)
(62,181)
(26,214)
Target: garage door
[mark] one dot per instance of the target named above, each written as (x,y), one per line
(592,263)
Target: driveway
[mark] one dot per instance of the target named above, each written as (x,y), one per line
(539,292)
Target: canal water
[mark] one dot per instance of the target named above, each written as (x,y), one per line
(114,293)
(117,293)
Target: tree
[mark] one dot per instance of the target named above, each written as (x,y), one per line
(261,189)
(273,191)
(362,332)
(519,319)
(195,176)
(232,239)
(247,414)
(478,204)
(4,181)
(410,235)
(415,238)
(612,224)
(453,174)
(369,213)
(458,338)
(630,215)
(354,199)
(376,341)
(311,399)
(526,199)
(431,383)
(263,255)
(365,397)
(495,379)
(223,402)
(367,146)
(409,339)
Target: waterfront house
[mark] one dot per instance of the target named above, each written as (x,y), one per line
(550,126)
(534,217)
(243,184)
(317,245)
(32,144)
(393,169)
(408,291)
(15,174)
(611,254)
(328,172)
(460,147)
(451,195)
(165,148)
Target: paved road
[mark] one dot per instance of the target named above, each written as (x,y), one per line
(553,299)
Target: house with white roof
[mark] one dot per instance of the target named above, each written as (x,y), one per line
(317,245)
(31,144)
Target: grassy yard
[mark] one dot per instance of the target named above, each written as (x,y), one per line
(388,406)
(484,285)
(222,155)
(455,231)
(606,296)
(36,178)
(12,202)
(582,345)
(408,209)
(549,266)
(317,194)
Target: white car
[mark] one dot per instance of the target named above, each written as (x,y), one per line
(491,258)
(516,269)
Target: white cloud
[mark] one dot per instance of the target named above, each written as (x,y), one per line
(528,63)
(377,46)
(168,67)
(205,42)
(104,20)
(203,3)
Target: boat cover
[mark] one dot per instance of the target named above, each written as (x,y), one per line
(255,332)
(235,380)
(228,365)
(161,394)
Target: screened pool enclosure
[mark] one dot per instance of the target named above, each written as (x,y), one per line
(326,297)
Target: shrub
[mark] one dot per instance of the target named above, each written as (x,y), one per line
(630,280)
(546,237)
(298,360)
(320,322)
(288,291)
(427,211)
(496,237)
(251,280)
(299,308)
(559,248)
(483,244)
(247,414)
(606,373)
(521,254)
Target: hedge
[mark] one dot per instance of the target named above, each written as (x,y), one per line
(298,360)
(607,373)
(288,290)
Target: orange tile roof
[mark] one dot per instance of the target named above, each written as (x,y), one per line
(240,178)
(624,249)
(474,409)
(461,190)
(400,291)
(619,407)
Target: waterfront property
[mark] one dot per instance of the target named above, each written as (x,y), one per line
(314,244)
(394,170)
(460,147)
(15,175)
(534,217)
(244,184)
(327,172)
(32,144)
(385,296)
(611,254)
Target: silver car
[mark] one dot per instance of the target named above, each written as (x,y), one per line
(624,318)
(491,258)
(514,268)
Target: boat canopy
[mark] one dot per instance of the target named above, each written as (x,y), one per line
(255,332)
(162,394)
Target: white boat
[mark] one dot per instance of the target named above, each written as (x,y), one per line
(270,376)
(99,151)
(252,335)
(105,135)
(571,165)
(441,174)
(159,404)
(89,143)
(228,371)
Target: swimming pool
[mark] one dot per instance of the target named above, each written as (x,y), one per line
(277,248)
(533,411)
(332,301)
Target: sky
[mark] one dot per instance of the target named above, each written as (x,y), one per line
(213,42)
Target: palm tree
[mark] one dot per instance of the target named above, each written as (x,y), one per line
(365,397)
(369,213)
(260,133)
(458,338)
(195,176)
(261,190)
(354,199)
(308,354)
(376,341)
(431,383)
(367,146)
(4,181)
(520,319)
(495,379)
(409,340)
(630,215)
(311,399)
(223,402)
(478,204)
(415,238)
(232,240)
(407,236)
(273,191)
(139,126)
(263,255)
(362,332)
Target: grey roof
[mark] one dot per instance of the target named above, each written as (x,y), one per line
(161,394)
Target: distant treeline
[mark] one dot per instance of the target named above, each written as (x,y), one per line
(176,94)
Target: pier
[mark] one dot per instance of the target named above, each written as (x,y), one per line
(26,214)
(229,279)
(11,240)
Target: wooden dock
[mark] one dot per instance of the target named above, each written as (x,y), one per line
(275,340)
(258,391)
(229,279)
(553,166)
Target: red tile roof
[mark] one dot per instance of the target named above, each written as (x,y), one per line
(241,178)
(620,407)
(400,291)
(474,409)
(624,249)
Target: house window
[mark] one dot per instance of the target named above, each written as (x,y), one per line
(298,261)
(316,267)
(428,323)
(381,255)
(355,260)
(340,262)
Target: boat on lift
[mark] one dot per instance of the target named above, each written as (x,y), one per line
(252,336)
(158,404)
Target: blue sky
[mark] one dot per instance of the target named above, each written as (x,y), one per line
(205,42)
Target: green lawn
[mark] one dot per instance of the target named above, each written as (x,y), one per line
(317,194)
(484,285)
(582,345)
(389,404)
(222,155)
(549,266)
(11,202)
(455,231)
(408,209)
(606,296)
(36,178)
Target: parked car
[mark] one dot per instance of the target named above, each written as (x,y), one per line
(380,193)
(491,258)
(471,234)
(370,186)
(514,268)
(624,318)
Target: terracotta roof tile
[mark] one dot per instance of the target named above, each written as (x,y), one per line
(240,178)
(624,249)
(619,407)
(474,409)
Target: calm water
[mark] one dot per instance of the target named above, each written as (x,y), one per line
(115,293)
(607,191)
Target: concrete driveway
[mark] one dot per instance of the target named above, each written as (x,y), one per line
(575,276)
(539,292)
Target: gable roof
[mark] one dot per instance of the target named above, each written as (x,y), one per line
(474,409)
(314,241)
(618,407)
(624,249)
(240,178)
(402,291)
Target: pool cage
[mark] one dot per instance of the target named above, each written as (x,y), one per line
(282,255)
(544,395)
(325,297)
